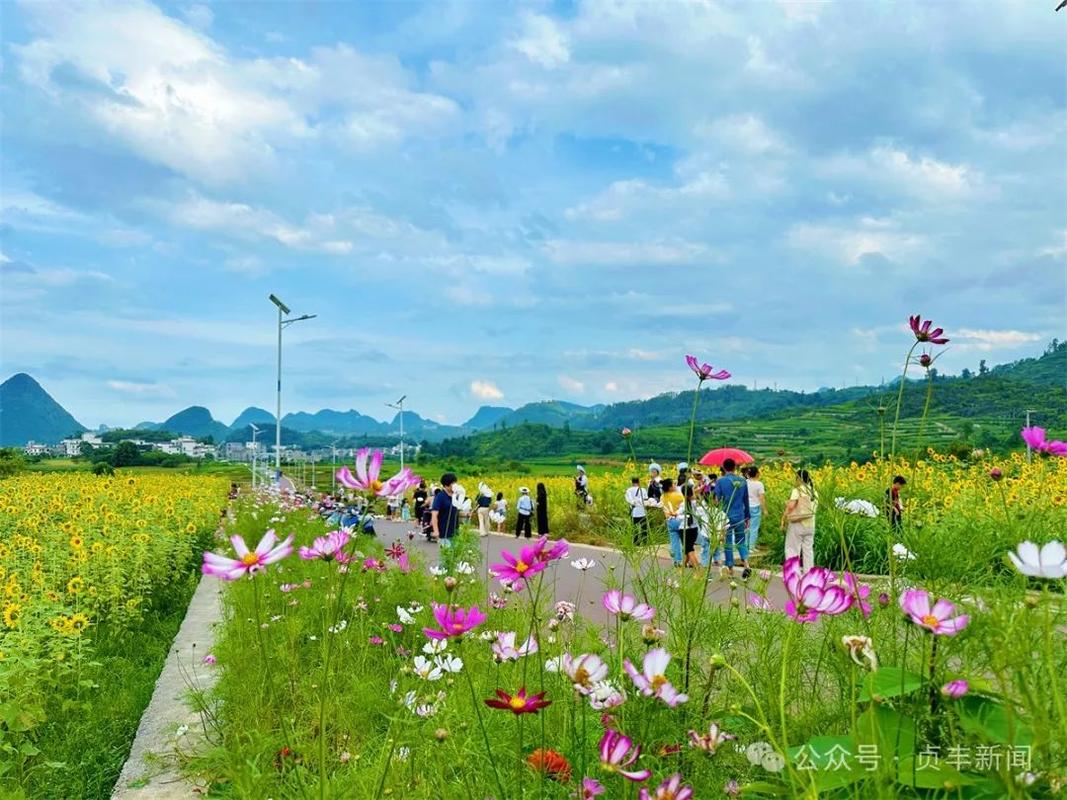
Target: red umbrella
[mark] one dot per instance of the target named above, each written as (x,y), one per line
(714,458)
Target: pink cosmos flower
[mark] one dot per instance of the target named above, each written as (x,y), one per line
(522,567)
(670,789)
(504,648)
(731,788)
(585,671)
(366,477)
(618,751)
(626,433)
(922,331)
(557,550)
(1034,436)
(327,548)
(375,640)
(709,742)
(209,659)
(938,620)
(395,550)
(589,790)
(760,603)
(814,593)
(652,681)
(955,689)
(857,592)
(399,483)
(520,702)
(373,564)
(705,371)
(247,562)
(626,606)
(453,622)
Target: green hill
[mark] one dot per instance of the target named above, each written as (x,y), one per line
(28,413)
(195,421)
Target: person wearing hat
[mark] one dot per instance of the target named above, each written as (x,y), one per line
(654,491)
(485,499)
(683,474)
(581,487)
(524,508)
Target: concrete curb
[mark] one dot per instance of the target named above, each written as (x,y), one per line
(169,725)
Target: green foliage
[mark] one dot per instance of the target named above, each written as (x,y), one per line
(12,461)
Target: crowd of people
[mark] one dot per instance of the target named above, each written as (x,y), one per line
(718,512)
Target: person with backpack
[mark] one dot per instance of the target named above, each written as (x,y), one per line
(524,508)
(798,521)
(672,502)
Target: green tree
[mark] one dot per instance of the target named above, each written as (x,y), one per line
(126,455)
(11,461)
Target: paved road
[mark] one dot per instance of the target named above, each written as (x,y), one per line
(565,580)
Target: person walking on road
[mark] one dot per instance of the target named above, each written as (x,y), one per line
(798,521)
(524,508)
(731,491)
(485,499)
(636,499)
(499,514)
(757,503)
(581,487)
(672,502)
(541,509)
(443,514)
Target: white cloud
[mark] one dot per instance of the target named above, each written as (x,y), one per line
(625,253)
(199,16)
(572,385)
(922,178)
(848,243)
(628,197)
(611,386)
(486,390)
(977,339)
(141,389)
(1058,250)
(542,42)
(743,132)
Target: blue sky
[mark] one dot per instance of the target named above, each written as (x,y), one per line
(498,203)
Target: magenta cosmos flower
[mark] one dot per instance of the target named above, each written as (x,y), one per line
(453,622)
(327,548)
(1034,436)
(706,372)
(626,607)
(922,331)
(248,562)
(670,789)
(617,752)
(521,567)
(366,477)
(955,689)
(813,594)
(400,483)
(652,681)
(520,702)
(709,742)
(589,790)
(939,619)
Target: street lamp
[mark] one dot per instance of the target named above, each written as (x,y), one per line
(400,405)
(255,430)
(282,309)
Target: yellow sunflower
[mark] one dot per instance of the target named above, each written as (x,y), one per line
(12,612)
(74,585)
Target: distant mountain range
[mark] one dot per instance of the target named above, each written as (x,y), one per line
(28,412)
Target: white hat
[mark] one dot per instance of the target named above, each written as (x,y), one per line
(580,468)
(523,490)
(484,489)
(655,466)
(682,465)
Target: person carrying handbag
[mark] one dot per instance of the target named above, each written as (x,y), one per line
(798,521)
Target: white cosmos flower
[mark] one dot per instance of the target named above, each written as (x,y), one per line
(435,646)
(448,663)
(404,616)
(437,571)
(555,664)
(1048,562)
(464,568)
(903,553)
(409,699)
(414,606)
(583,564)
(425,710)
(426,669)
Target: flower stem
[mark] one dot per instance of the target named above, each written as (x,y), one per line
(693,421)
(900,400)
(926,410)
(485,734)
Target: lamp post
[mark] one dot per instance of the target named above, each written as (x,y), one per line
(400,405)
(255,452)
(282,309)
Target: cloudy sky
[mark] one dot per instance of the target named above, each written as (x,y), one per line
(488,202)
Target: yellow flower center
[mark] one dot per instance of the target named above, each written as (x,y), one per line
(658,681)
(931,621)
(581,676)
(249,559)
(457,626)
(521,567)
(517,703)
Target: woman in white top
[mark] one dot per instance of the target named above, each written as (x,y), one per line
(757,503)
(500,512)
(799,515)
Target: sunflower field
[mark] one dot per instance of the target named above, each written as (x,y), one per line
(88,564)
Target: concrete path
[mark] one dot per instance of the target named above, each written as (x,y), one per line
(565,579)
(169,726)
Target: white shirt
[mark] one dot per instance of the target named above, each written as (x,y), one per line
(756,492)
(525,505)
(635,497)
(502,506)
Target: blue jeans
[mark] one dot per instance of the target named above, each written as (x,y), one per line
(674,535)
(753,527)
(705,549)
(735,537)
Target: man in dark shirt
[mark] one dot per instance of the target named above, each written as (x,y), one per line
(420,498)
(894,508)
(731,491)
(655,490)
(443,515)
